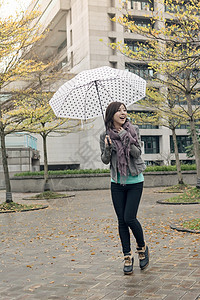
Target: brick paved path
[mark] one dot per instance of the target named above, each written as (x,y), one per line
(72,251)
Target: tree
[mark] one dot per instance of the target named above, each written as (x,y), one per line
(171,47)
(18,35)
(38,117)
(164,113)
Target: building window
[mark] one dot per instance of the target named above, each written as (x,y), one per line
(175,7)
(140,70)
(154,162)
(62,63)
(184,162)
(136,46)
(143,22)
(62,45)
(70,16)
(72,59)
(181,100)
(140,5)
(183,126)
(140,22)
(113,50)
(182,141)
(142,113)
(151,144)
(71,38)
(113,64)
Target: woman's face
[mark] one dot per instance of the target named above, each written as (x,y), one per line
(120,116)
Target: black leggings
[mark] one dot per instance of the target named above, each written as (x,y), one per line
(126,199)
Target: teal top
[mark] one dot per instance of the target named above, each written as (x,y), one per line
(130,179)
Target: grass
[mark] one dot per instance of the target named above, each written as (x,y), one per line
(189,195)
(179,188)
(103,171)
(63,172)
(48,195)
(184,167)
(193,224)
(17,207)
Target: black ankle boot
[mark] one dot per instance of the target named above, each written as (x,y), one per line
(143,254)
(128,264)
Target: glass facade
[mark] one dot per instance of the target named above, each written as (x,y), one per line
(140,70)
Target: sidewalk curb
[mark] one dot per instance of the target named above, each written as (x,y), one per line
(23,210)
(182,229)
(176,203)
(36,199)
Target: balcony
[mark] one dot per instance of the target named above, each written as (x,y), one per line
(52,12)
(21,140)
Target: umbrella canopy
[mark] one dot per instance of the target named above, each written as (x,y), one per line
(88,94)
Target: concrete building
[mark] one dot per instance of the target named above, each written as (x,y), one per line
(75,29)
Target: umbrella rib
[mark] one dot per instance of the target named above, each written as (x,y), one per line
(89,87)
(96,86)
(100,83)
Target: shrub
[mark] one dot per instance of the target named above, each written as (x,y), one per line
(99,171)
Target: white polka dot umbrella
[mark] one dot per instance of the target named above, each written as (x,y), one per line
(88,94)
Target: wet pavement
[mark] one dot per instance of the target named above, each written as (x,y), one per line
(71,250)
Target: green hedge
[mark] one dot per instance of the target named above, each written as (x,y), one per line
(98,171)
(169,168)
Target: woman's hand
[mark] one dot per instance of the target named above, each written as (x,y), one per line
(108,140)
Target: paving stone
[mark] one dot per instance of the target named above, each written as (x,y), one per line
(191,296)
(174,296)
(72,251)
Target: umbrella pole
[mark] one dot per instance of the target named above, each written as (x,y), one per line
(101,108)
(95,82)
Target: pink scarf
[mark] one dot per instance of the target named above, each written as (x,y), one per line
(122,146)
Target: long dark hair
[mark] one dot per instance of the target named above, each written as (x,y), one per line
(110,111)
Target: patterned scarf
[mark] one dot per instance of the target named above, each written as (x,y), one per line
(122,146)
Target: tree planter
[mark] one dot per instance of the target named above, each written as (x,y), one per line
(72,182)
(178,227)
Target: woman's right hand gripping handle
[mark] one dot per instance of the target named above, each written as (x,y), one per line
(108,140)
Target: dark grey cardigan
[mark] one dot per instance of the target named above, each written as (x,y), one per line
(109,155)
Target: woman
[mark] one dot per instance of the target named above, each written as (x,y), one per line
(121,148)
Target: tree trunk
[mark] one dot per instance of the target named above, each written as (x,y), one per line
(46,175)
(178,164)
(5,163)
(196,149)
(193,132)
